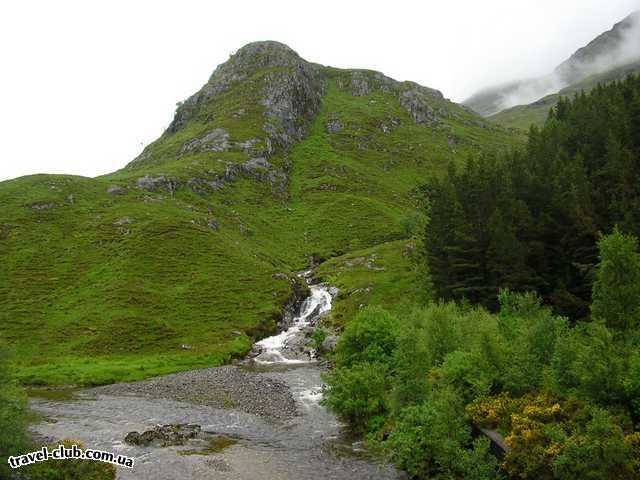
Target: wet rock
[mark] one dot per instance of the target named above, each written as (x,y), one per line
(329,344)
(186,346)
(213,224)
(163,435)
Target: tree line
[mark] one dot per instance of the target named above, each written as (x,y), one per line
(529,219)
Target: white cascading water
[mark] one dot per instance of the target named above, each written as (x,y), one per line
(272,348)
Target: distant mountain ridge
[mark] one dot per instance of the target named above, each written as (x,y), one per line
(609,51)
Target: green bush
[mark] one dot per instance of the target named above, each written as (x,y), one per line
(357,394)
(599,452)
(318,337)
(466,374)
(370,337)
(432,440)
(616,291)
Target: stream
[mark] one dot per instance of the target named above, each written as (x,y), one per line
(310,444)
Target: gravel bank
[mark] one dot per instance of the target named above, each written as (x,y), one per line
(222,387)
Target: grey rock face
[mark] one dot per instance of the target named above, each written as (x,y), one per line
(416,102)
(359,85)
(363,82)
(216,140)
(258,168)
(153,184)
(239,67)
(291,100)
(116,190)
(203,186)
(416,99)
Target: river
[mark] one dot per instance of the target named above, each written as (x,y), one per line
(310,444)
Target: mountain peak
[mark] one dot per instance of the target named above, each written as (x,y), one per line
(267,53)
(615,47)
(246,62)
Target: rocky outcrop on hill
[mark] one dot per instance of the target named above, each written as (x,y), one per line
(291,95)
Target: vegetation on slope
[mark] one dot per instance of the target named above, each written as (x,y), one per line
(422,383)
(274,163)
(429,385)
(530,219)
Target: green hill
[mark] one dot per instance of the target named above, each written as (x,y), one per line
(185,256)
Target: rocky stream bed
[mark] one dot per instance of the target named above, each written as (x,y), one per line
(260,419)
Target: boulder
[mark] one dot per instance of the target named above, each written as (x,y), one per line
(334,126)
(329,343)
(116,190)
(164,435)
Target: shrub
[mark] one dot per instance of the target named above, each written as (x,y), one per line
(431,440)
(318,337)
(598,452)
(357,394)
(370,337)
(616,291)
(465,373)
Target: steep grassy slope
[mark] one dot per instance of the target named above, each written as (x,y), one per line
(274,163)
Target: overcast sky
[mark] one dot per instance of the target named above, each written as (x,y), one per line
(84,85)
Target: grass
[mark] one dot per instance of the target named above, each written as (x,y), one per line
(102,288)
(384,275)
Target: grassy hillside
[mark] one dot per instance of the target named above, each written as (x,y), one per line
(276,162)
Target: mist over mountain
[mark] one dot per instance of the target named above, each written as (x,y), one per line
(612,49)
